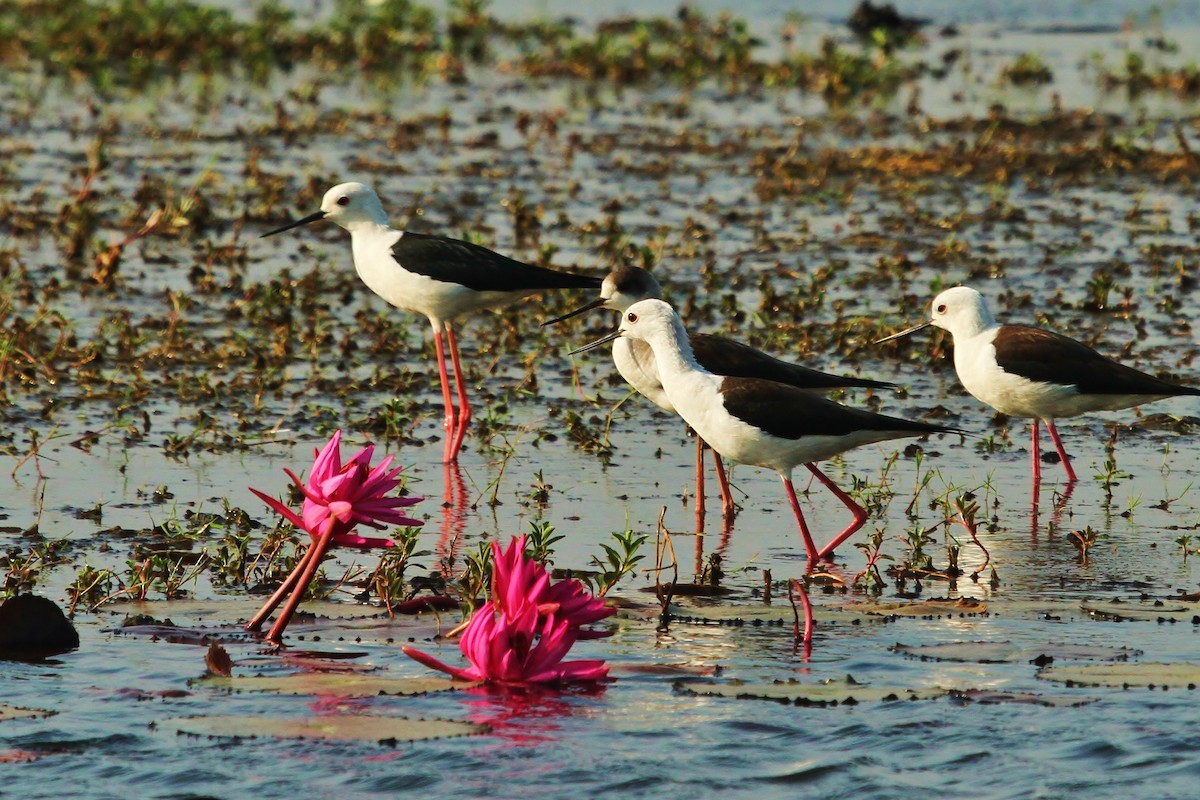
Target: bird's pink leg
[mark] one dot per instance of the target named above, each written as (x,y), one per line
(464,406)
(1062,453)
(1035,448)
(700,507)
(311,561)
(288,584)
(451,419)
(728,507)
(809,546)
(860,513)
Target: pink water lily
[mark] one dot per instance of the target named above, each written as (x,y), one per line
(337,497)
(523,633)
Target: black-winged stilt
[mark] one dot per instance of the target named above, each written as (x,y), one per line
(1031,372)
(442,278)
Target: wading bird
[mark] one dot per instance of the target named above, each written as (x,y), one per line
(1034,373)
(442,278)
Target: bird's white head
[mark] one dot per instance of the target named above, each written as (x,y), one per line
(648,320)
(962,311)
(627,285)
(352,204)
(651,321)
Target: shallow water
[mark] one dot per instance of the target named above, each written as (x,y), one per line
(641,735)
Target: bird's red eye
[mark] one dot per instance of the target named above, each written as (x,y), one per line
(632,317)
(941,309)
(343,201)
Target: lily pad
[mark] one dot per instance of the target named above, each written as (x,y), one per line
(1007,652)
(929,608)
(991,697)
(674,670)
(778,615)
(12,712)
(1152,611)
(339,684)
(827,693)
(1177,675)
(356,727)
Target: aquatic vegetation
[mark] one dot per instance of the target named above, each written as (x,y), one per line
(1027,69)
(525,630)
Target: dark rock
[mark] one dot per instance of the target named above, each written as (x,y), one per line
(34,625)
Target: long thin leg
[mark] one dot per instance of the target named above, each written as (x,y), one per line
(1062,453)
(288,584)
(860,513)
(451,418)
(318,550)
(728,507)
(809,546)
(464,405)
(700,502)
(1035,447)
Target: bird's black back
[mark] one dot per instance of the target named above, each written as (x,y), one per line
(478,268)
(1046,356)
(722,356)
(791,413)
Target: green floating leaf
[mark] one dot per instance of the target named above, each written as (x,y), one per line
(928,608)
(990,697)
(336,684)
(1007,652)
(826,693)
(704,670)
(12,712)
(779,615)
(356,727)
(1141,611)
(1179,675)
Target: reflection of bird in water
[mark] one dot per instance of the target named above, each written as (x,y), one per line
(634,359)
(454,518)
(760,422)
(1035,373)
(441,278)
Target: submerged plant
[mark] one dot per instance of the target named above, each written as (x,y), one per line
(527,627)
(337,497)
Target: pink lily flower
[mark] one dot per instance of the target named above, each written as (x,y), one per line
(337,497)
(523,633)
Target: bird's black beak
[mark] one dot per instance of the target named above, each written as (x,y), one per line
(904,332)
(296,224)
(601,341)
(598,303)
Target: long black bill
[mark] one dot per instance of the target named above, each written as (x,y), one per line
(598,343)
(296,224)
(598,303)
(904,332)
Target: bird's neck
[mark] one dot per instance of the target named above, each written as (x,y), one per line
(673,352)
(974,329)
(367,229)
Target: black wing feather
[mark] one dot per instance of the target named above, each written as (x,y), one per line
(1049,357)
(722,356)
(477,268)
(791,413)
